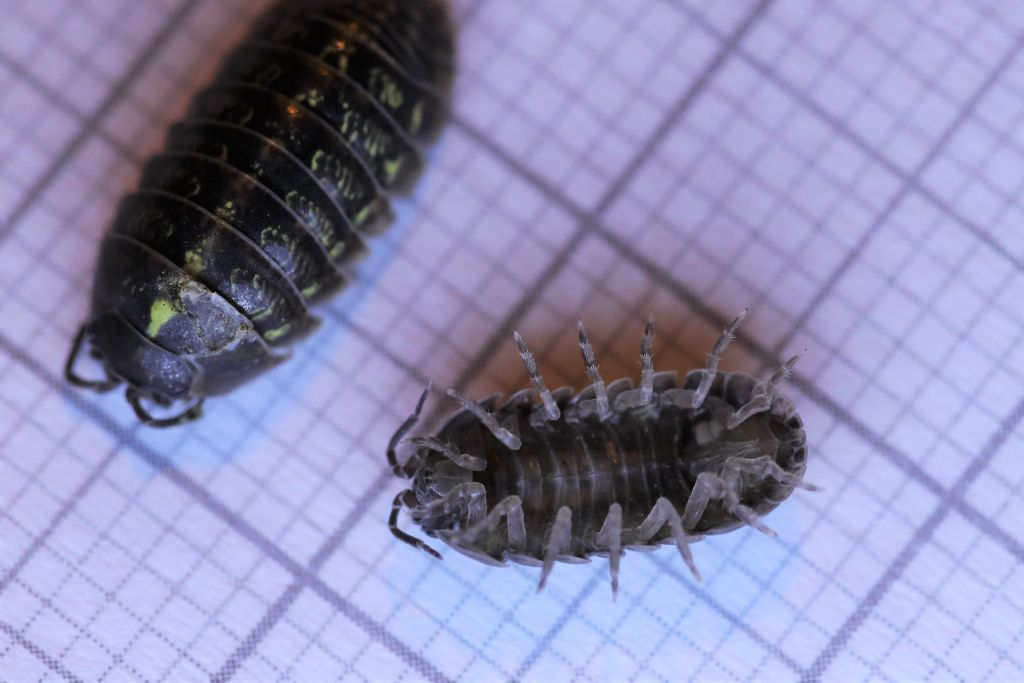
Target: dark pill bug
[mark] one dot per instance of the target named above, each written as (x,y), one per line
(263,197)
(608,469)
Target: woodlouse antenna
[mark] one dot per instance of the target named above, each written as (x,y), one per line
(464,460)
(487,418)
(728,334)
(400,500)
(410,422)
(600,391)
(550,406)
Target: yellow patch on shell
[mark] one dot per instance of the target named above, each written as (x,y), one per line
(194,262)
(160,313)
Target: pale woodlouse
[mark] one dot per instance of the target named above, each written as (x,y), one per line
(608,469)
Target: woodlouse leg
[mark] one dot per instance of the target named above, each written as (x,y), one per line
(647,362)
(643,396)
(725,488)
(600,391)
(400,500)
(707,486)
(728,334)
(765,467)
(762,395)
(662,512)
(558,542)
(550,406)
(500,433)
(472,495)
(511,425)
(511,508)
(610,537)
(190,413)
(100,385)
(409,423)
(464,460)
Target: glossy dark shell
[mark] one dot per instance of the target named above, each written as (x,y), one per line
(266,191)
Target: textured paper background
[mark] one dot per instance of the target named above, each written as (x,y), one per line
(851,171)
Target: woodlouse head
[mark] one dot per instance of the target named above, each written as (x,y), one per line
(436,476)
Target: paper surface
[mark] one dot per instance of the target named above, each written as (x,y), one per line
(851,172)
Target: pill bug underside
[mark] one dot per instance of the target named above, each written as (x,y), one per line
(609,468)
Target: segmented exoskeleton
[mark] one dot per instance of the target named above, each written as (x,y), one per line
(607,469)
(258,206)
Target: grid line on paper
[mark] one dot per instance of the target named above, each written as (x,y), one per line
(54,96)
(588,223)
(768,358)
(42,88)
(90,125)
(40,539)
(52,664)
(280,607)
(221,511)
(253,639)
(984,523)
(950,499)
(737,622)
(57,550)
(545,641)
(921,536)
(911,179)
(909,183)
(51,605)
(827,643)
(772,357)
(585,223)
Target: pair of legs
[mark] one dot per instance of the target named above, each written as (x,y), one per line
(612,538)
(189,413)
(761,396)
(727,486)
(507,431)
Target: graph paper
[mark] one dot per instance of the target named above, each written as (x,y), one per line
(850,171)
